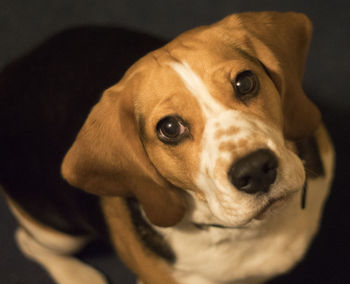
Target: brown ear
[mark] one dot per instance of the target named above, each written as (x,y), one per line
(107,158)
(281,42)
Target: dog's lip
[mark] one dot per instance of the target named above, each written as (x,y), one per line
(273,201)
(259,216)
(205,226)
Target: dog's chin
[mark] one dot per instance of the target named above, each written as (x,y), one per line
(270,208)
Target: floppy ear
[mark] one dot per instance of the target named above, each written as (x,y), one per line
(107,158)
(281,42)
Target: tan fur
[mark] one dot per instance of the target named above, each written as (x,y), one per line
(134,93)
(139,259)
(117,153)
(107,164)
(230,131)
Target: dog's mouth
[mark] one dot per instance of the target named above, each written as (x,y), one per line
(272,205)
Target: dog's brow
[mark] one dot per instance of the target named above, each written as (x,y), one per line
(247,56)
(141,122)
(197,87)
(254,60)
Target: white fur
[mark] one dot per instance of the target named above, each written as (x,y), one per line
(196,86)
(252,253)
(53,250)
(234,207)
(226,203)
(252,250)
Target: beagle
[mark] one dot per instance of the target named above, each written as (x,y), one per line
(209,162)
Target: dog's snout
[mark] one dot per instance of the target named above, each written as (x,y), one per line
(255,172)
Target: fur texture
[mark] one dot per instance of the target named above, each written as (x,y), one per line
(168,199)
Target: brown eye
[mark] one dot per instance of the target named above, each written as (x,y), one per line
(246,85)
(171,130)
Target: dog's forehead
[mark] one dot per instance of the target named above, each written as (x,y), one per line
(201,61)
(161,93)
(211,53)
(161,80)
(203,48)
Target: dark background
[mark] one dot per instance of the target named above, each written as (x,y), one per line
(24,24)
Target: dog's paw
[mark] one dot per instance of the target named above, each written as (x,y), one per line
(77,272)
(29,246)
(64,269)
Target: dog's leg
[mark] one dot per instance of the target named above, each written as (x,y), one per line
(62,267)
(53,250)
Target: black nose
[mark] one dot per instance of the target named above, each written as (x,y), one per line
(255,172)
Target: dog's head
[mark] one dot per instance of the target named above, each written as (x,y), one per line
(211,113)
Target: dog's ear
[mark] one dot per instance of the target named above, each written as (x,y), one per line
(281,42)
(108,158)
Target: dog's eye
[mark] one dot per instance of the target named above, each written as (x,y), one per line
(246,85)
(171,130)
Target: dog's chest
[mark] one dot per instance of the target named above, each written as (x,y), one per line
(217,255)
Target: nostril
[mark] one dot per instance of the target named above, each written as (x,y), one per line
(255,172)
(243,181)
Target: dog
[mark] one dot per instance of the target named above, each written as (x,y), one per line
(206,162)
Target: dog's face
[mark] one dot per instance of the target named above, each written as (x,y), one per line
(212,114)
(215,127)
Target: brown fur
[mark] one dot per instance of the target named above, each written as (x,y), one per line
(111,158)
(141,261)
(230,131)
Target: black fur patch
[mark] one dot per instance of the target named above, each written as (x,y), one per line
(46,96)
(151,238)
(309,152)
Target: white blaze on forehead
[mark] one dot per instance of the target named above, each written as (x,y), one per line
(225,202)
(217,117)
(197,87)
